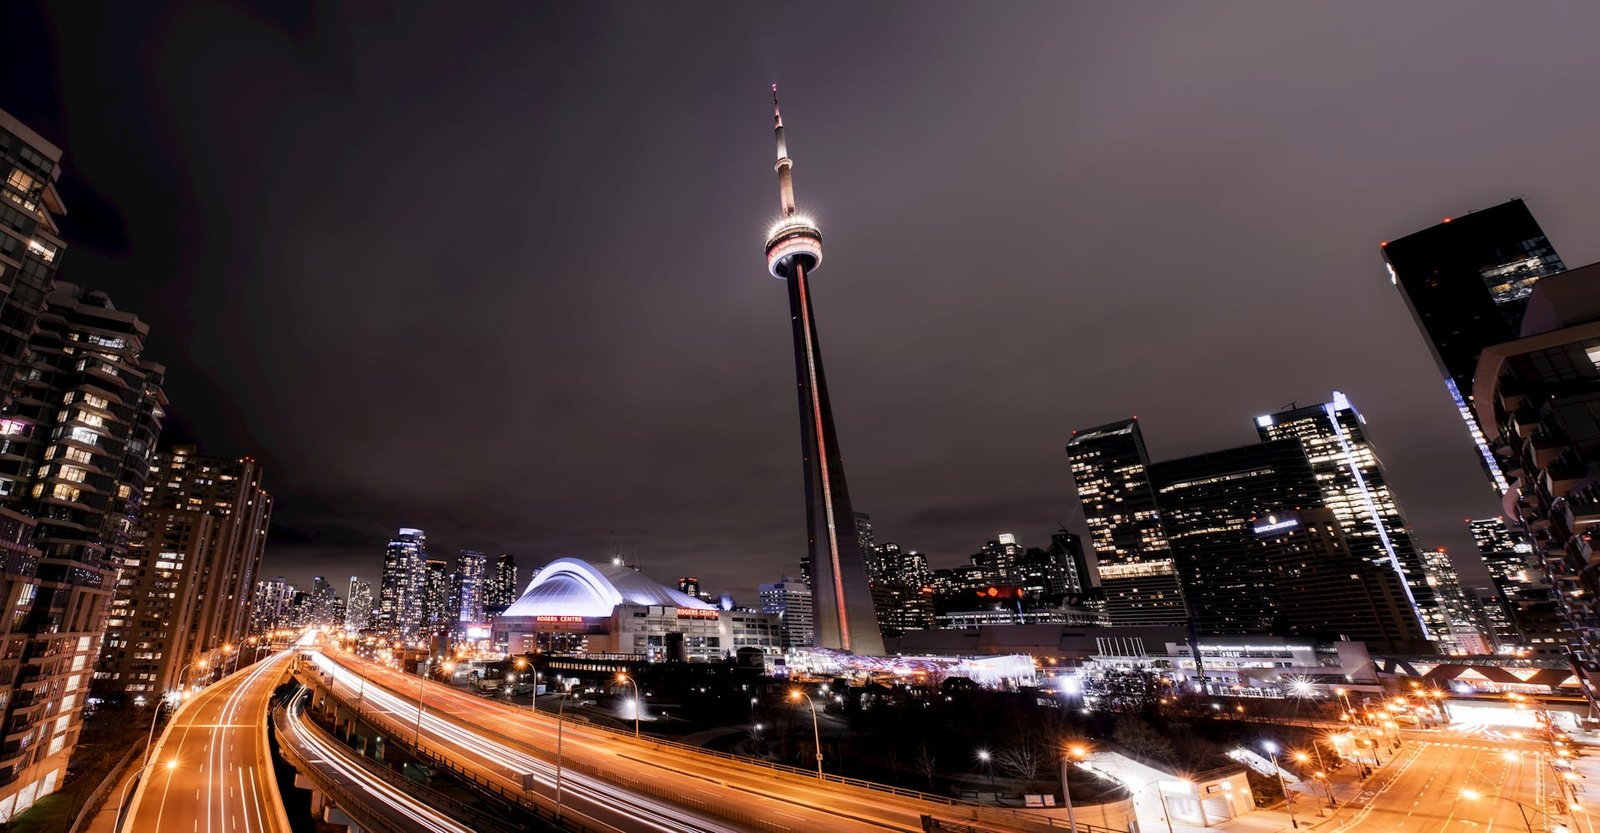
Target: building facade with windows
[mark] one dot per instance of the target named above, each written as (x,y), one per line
(185,586)
(1209,503)
(80,429)
(789,600)
(1467,281)
(1539,397)
(403,585)
(1110,468)
(1351,481)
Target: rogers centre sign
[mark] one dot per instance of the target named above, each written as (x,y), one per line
(560,619)
(696,613)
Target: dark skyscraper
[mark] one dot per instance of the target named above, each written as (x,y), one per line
(1209,503)
(1353,484)
(840,593)
(1326,591)
(1111,469)
(1466,282)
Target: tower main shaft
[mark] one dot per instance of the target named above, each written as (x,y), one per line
(841,598)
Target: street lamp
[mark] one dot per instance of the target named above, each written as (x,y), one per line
(638,701)
(151,735)
(1522,809)
(417,738)
(1304,759)
(1074,753)
(122,802)
(533,702)
(984,756)
(183,679)
(561,707)
(816,735)
(1288,800)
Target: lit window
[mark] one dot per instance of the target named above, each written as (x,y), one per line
(1593,354)
(43,251)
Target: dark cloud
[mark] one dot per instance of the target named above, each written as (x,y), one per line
(498,274)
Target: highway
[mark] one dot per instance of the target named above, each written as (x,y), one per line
(211,770)
(588,801)
(395,805)
(1455,784)
(511,740)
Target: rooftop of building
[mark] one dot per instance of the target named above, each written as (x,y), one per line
(574,587)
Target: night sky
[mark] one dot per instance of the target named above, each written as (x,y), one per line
(497,272)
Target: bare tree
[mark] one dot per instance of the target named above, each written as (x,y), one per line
(1021,760)
(925,763)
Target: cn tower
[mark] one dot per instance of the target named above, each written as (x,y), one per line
(840,597)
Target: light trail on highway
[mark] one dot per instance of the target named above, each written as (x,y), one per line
(376,790)
(212,762)
(752,795)
(598,797)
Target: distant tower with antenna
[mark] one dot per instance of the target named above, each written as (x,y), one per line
(841,598)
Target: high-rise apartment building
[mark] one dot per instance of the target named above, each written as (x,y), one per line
(1535,397)
(892,565)
(52,630)
(403,584)
(1110,467)
(1351,482)
(186,584)
(270,609)
(1467,281)
(790,600)
(501,586)
(30,243)
(1491,535)
(327,609)
(1466,630)
(470,569)
(439,609)
(843,617)
(79,432)
(1067,549)
(998,558)
(358,606)
(1209,503)
(1327,592)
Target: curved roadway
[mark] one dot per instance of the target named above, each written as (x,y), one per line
(211,771)
(755,797)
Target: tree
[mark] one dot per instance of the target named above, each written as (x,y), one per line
(925,763)
(1141,740)
(1021,760)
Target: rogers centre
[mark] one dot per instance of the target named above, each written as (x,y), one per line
(579,607)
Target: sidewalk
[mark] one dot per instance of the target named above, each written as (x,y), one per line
(105,821)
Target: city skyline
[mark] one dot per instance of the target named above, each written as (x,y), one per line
(923,351)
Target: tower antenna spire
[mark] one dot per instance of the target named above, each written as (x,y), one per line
(784,165)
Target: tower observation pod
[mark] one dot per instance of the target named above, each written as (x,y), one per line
(841,598)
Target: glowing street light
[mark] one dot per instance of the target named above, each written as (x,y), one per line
(1075,752)
(984,756)
(638,702)
(816,735)
(1288,800)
